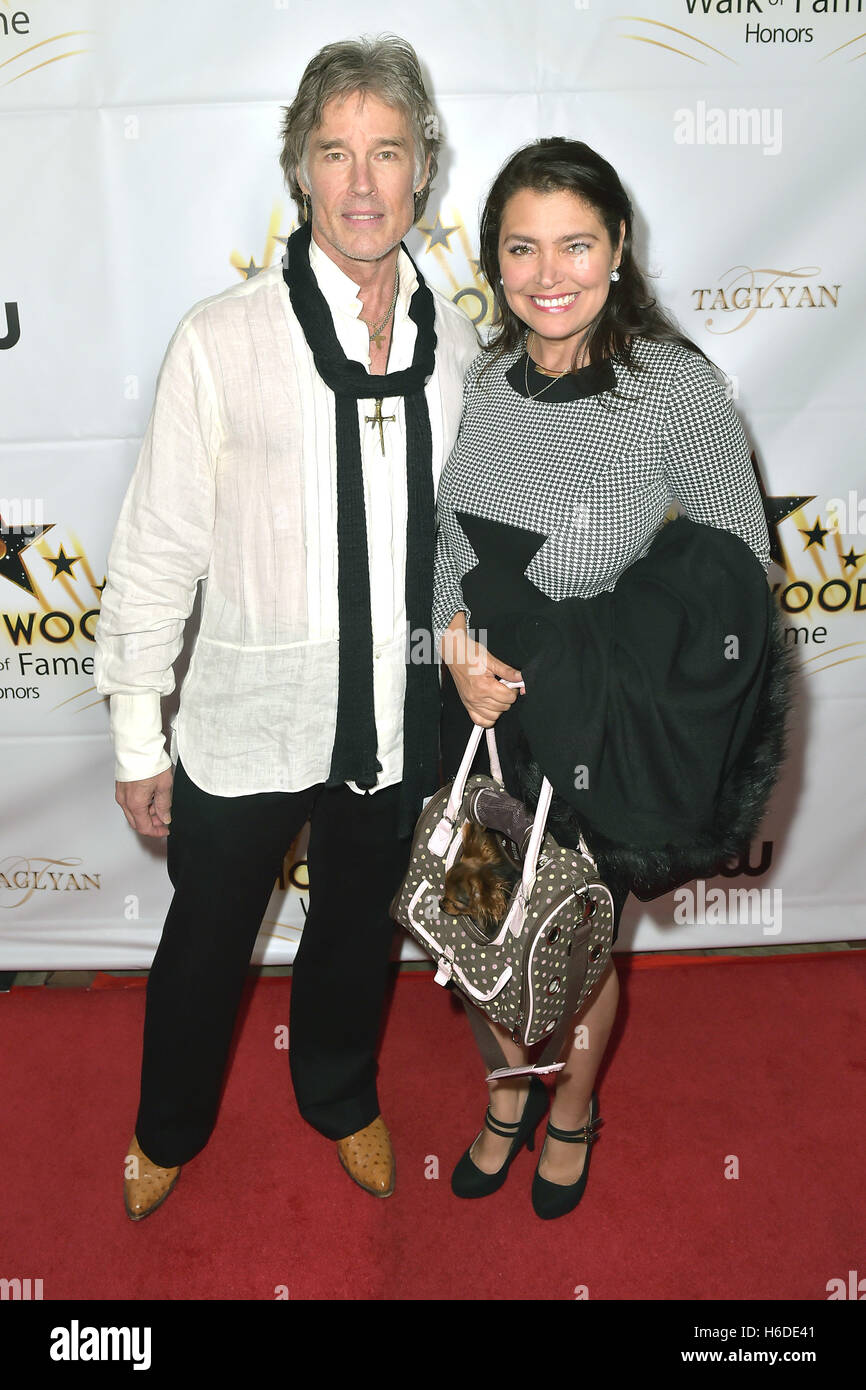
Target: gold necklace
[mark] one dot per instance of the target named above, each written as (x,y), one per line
(376,333)
(534,396)
(554,376)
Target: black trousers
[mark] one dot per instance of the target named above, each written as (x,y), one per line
(223,855)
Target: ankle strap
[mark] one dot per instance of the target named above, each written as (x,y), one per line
(587,1135)
(504,1129)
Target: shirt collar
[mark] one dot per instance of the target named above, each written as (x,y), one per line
(592,380)
(342,293)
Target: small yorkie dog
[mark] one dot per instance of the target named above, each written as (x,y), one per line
(479,884)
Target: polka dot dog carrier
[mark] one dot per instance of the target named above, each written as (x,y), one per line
(554,941)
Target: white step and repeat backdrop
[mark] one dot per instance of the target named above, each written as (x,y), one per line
(139,173)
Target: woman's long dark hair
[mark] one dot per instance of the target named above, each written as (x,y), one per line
(553,165)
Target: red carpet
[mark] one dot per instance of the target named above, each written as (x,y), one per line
(762,1060)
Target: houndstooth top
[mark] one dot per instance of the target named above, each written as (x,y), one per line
(593,473)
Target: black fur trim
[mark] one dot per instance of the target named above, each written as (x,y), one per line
(651,872)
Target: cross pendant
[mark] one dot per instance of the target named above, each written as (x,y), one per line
(379,419)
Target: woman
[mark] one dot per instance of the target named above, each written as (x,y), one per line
(584,418)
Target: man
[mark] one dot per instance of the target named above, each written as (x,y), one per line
(300,424)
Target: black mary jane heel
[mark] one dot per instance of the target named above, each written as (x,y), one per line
(552,1199)
(469,1181)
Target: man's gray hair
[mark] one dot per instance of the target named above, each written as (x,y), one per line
(388,68)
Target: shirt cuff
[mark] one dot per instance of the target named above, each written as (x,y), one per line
(136,730)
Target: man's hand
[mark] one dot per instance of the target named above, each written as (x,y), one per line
(147,803)
(475,673)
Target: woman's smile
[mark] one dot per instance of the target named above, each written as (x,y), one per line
(554,305)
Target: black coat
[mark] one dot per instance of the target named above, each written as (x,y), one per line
(656,710)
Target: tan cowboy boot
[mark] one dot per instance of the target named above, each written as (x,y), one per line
(146,1185)
(368,1158)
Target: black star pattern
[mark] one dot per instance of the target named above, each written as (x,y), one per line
(851,561)
(11,545)
(99,587)
(498,582)
(248,271)
(62,562)
(776,510)
(816,535)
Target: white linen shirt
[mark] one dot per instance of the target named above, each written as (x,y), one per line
(236,485)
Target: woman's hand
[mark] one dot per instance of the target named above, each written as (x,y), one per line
(478,675)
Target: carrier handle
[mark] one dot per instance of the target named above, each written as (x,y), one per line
(441,836)
(458,788)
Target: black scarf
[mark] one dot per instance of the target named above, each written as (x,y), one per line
(355,742)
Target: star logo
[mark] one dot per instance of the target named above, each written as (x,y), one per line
(851,561)
(777,510)
(248,266)
(437,235)
(11,546)
(62,562)
(816,535)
